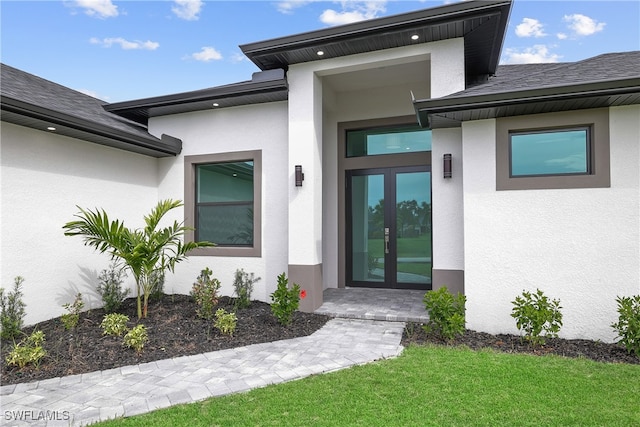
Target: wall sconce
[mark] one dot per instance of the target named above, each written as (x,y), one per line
(299,176)
(446,166)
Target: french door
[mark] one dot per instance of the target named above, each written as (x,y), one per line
(389,227)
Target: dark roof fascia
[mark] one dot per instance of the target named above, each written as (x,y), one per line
(141,109)
(157,147)
(453,103)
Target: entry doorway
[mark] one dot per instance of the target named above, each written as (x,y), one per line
(388,224)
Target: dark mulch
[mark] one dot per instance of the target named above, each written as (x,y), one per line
(594,350)
(173,328)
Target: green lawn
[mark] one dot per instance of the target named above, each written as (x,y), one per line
(431,386)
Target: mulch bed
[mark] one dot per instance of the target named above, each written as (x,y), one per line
(594,350)
(173,328)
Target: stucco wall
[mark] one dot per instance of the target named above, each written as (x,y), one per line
(255,127)
(578,245)
(44,177)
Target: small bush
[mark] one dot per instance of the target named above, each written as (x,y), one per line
(12,310)
(284,300)
(136,338)
(537,316)
(446,313)
(225,322)
(243,287)
(114,324)
(628,325)
(70,319)
(205,292)
(157,285)
(28,351)
(110,287)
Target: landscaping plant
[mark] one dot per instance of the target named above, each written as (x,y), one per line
(284,300)
(628,324)
(136,338)
(12,310)
(114,324)
(537,316)
(243,287)
(226,322)
(28,351)
(446,313)
(146,252)
(205,292)
(110,287)
(70,319)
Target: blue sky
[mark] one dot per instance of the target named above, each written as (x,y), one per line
(124,50)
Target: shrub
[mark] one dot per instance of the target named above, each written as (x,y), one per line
(243,287)
(114,324)
(12,310)
(157,285)
(628,325)
(284,300)
(28,351)
(446,313)
(136,338)
(536,314)
(205,292)
(110,287)
(225,322)
(70,319)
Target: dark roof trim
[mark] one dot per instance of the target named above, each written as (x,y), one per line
(451,110)
(264,86)
(15,110)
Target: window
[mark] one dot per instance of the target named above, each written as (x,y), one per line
(222,202)
(553,151)
(550,152)
(373,142)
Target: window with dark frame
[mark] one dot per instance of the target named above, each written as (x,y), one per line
(550,152)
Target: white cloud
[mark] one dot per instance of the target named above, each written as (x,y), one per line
(238,57)
(582,25)
(93,94)
(531,55)
(125,44)
(207,54)
(562,36)
(99,8)
(353,11)
(187,9)
(287,7)
(530,27)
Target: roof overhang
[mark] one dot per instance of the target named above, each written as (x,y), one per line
(481,23)
(36,117)
(264,87)
(451,111)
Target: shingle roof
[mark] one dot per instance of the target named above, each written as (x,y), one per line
(32,101)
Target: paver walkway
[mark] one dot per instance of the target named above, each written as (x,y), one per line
(131,390)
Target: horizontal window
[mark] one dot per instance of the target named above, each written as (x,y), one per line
(550,152)
(374,142)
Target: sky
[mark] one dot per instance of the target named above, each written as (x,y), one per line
(125,50)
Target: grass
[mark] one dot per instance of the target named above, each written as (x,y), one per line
(431,386)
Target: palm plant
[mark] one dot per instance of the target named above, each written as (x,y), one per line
(146,252)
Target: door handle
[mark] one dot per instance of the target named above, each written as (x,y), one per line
(386,240)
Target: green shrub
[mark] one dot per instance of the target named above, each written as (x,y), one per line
(205,292)
(446,313)
(536,314)
(110,287)
(284,300)
(136,338)
(225,322)
(628,325)
(28,351)
(157,285)
(12,311)
(243,287)
(70,319)
(114,324)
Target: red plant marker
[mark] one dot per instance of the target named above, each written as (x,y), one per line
(303,294)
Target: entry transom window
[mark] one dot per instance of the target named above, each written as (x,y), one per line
(373,142)
(550,152)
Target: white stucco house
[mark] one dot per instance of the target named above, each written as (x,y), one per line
(394,153)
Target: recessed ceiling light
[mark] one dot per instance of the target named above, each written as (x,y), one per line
(320,52)
(51,128)
(215,104)
(415,37)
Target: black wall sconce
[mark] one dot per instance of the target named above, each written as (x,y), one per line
(446,166)
(299,176)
